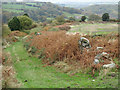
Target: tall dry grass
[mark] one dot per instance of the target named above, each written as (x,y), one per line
(62,47)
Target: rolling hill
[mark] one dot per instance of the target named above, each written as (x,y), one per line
(99,8)
(42,11)
(112,9)
(37,10)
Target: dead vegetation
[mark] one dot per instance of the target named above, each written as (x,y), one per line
(60,47)
(14,35)
(8,73)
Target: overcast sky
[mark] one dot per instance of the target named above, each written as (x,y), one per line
(76,0)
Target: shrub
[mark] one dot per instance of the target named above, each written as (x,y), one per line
(46,28)
(105,17)
(83,18)
(34,25)
(20,23)
(94,17)
(25,22)
(72,19)
(26,15)
(64,27)
(42,53)
(17,33)
(55,22)
(33,50)
(14,24)
(27,45)
(26,31)
(53,29)
(114,20)
(60,19)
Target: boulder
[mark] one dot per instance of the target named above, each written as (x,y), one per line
(112,65)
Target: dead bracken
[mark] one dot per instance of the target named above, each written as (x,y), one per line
(58,46)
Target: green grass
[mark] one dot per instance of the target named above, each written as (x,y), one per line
(96,28)
(13,10)
(71,15)
(31,3)
(37,76)
(37,29)
(5,30)
(16,7)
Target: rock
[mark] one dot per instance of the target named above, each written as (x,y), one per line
(104,53)
(99,48)
(29,49)
(112,65)
(96,61)
(4,47)
(83,43)
(68,87)
(98,56)
(25,37)
(25,81)
(113,74)
(16,37)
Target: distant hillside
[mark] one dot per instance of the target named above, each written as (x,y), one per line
(79,5)
(37,10)
(74,4)
(100,9)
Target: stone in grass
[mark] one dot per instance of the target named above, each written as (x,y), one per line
(25,81)
(68,87)
(113,74)
(112,65)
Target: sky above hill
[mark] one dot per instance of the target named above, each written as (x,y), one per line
(80,0)
(55,1)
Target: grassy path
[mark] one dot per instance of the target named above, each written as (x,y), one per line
(31,70)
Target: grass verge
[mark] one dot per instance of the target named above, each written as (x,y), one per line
(31,73)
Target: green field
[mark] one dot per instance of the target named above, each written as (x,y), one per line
(31,3)
(71,15)
(18,8)
(31,69)
(96,28)
(15,6)
(14,10)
